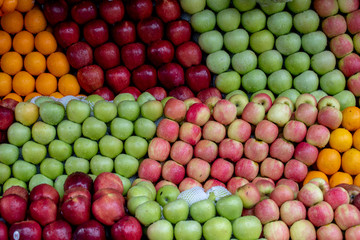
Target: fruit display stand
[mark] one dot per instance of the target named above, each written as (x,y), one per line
(180,119)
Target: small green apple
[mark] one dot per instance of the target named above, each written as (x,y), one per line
(18,134)
(33,152)
(23,170)
(244,62)
(68,131)
(59,150)
(126,165)
(280,81)
(100,164)
(38,179)
(8,153)
(75,164)
(51,168)
(121,128)
(85,148)
(5,173)
(254,80)
(203,21)
(227,82)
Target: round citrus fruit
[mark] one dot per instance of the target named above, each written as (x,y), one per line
(341,139)
(328,161)
(351,118)
(340,177)
(23,83)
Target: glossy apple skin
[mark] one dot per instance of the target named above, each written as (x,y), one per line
(29,230)
(197,78)
(43,210)
(17,190)
(171,75)
(67,33)
(3,231)
(132,90)
(13,208)
(167,10)
(127,228)
(108,209)
(57,230)
(105,93)
(160,52)
(78,179)
(90,78)
(108,180)
(139,9)
(158,92)
(112,11)
(76,191)
(178,31)
(107,55)
(118,78)
(96,32)
(144,77)
(90,230)
(7,118)
(123,32)
(133,55)
(150,29)
(181,93)
(76,210)
(55,11)
(79,55)
(188,54)
(84,11)
(44,190)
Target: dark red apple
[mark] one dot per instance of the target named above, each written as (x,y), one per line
(76,210)
(90,78)
(209,92)
(178,32)
(167,10)
(76,191)
(78,179)
(79,55)
(55,11)
(66,33)
(96,32)
(105,93)
(29,230)
(150,29)
(133,55)
(57,230)
(158,92)
(132,90)
(43,210)
(123,32)
(3,231)
(9,103)
(17,190)
(160,52)
(6,118)
(144,77)
(182,93)
(139,9)
(13,208)
(107,55)
(112,11)
(108,209)
(188,54)
(3,137)
(356,201)
(90,230)
(108,180)
(84,11)
(44,190)
(171,75)
(198,78)
(118,78)
(127,228)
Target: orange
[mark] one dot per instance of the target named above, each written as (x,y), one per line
(31,95)
(35,63)
(35,21)
(351,161)
(5,42)
(11,63)
(315,174)
(9,6)
(57,64)
(25,5)
(13,96)
(12,22)
(5,84)
(56,95)
(356,139)
(328,161)
(341,139)
(23,83)
(23,42)
(46,84)
(68,85)
(357,180)
(340,177)
(351,118)
(45,42)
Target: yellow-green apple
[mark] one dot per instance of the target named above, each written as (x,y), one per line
(244,61)
(206,150)
(252,86)
(234,183)
(323,62)
(222,170)
(279,81)
(306,82)
(198,113)
(249,194)
(306,113)
(281,194)
(307,21)
(26,113)
(318,135)
(328,101)
(236,41)
(280,23)
(336,196)
(297,63)
(329,231)
(306,153)
(203,21)
(159,149)
(216,228)
(288,44)
(239,130)
(282,149)
(228,19)
(211,102)
(265,187)
(256,150)
(203,210)
(276,229)
(198,169)
(292,211)
(279,114)
(218,61)
(253,20)
(188,229)
(244,5)
(214,131)
(267,211)
(190,133)
(272,168)
(246,168)
(297,6)
(240,102)
(346,216)
(302,229)
(188,183)
(231,149)
(176,211)
(250,225)
(181,152)
(310,194)
(346,99)
(230,207)
(168,130)
(210,183)
(227,82)
(253,113)
(173,172)
(150,169)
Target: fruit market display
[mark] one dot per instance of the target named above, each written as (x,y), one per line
(180,119)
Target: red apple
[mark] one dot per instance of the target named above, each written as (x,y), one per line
(188,183)
(234,183)
(90,78)
(107,55)
(160,52)
(204,94)
(181,152)
(83,12)
(76,210)
(76,191)
(178,31)
(105,93)
(118,78)
(44,190)
(90,230)
(9,103)
(123,32)
(57,230)
(173,172)
(144,77)
(139,9)
(175,109)
(6,118)
(17,190)
(112,11)
(182,93)
(67,33)
(133,55)
(158,92)
(210,183)
(79,55)
(206,150)
(222,170)
(198,78)
(78,179)
(132,90)
(127,228)
(3,231)
(198,169)
(171,75)
(168,130)
(159,149)
(29,230)
(108,180)
(43,210)
(96,32)
(231,149)
(13,208)
(188,54)
(105,191)
(167,10)
(150,169)
(150,29)
(108,209)
(55,11)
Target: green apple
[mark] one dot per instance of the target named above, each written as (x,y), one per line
(150,186)
(176,211)
(77,110)
(247,227)
(121,128)
(52,112)
(136,146)
(297,63)
(145,97)
(145,128)
(203,210)
(134,202)
(105,111)
(93,98)
(13,182)
(100,164)
(306,82)
(23,170)
(126,183)
(270,61)
(8,153)
(280,23)
(43,133)
(244,62)
(268,92)
(318,94)
(333,82)
(346,99)
(5,173)
(218,62)
(138,190)
(93,128)
(192,6)
(217,228)
(51,168)
(288,44)
(188,230)
(38,179)
(18,134)
(129,110)
(75,164)
(217,5)
(254,81)
(126,165)
(244,5)
(314,42)
(279,81)
(297,6)
(227,82)
(110,146)
(228,19)
(33,152)
(271,8)
(41,99)
(122,97)
(152,110)
(160,230)
(211,41)
(323,62)
(26,113)
(59,150)
(203,21)
(262,41)
(235,92)
(236,41)
(85,148)
(59,184)
(291,93)
(148,212)
(306,21)
(68,131)
(164,100)
(229,207)
(253,20)
(240,101)
(166,194)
